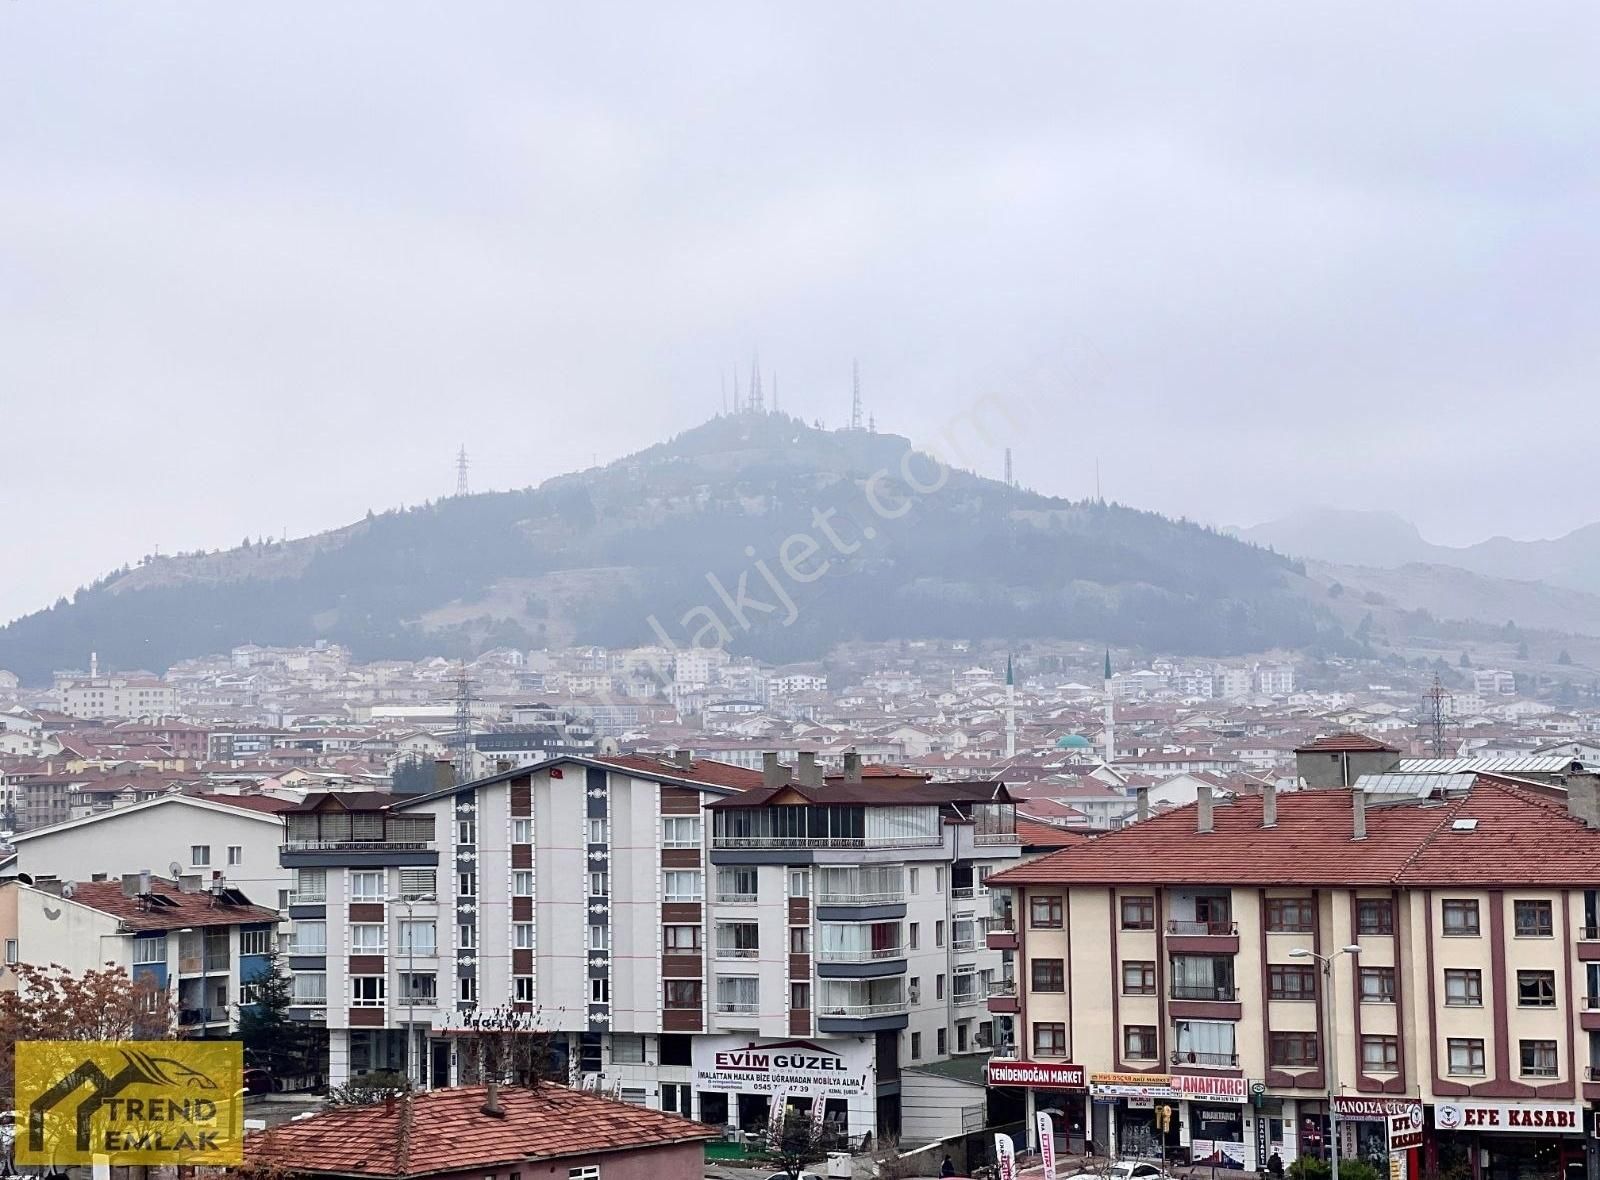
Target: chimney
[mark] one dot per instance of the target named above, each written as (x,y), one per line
(444,774)
(1583,799)
(388,1103)
(773,772)
(852,766)
(130,884)
(491,1101)
(1203,824)
(683,758)
(144,880)
(1143,797)
(1269,805)
(810,774)
(1358,807)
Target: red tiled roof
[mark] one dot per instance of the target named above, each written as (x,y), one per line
(1345,743)
(1032,835)
(700,770)
(447,1131)
(188,909)
(1519,839)
(268,803)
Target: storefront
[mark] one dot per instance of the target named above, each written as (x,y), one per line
(1055,1087)
(1125,1115)
(1510,1140)
(1364,1126)
(1213,1120)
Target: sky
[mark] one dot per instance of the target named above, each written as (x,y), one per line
(264,267)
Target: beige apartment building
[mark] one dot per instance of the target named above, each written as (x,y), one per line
(1446,946)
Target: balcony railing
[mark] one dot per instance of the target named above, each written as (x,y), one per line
(356,846)
(1591,1002)
(1189,991)
(310,897)
(738,952)
(889,897)
(967,892)
(871,955)
(730,1008)
(1214,928)
(963,999)
(202,1015)
(1592,1073)
(308,948)
(964,944)
(864,1009)
(1589,933)
(994,838)
(734,842)
(737,898)
(1189,1057)
(1003,987)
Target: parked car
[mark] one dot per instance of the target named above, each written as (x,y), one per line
(257,1081)
(1124,1170)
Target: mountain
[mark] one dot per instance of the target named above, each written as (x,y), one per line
(752,529)
(1385,540)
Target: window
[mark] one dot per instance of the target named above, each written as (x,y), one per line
(1533,919)
(1290,915)
(1463,989)
(597,831)
(938,933)
(1050,1040)
(682,885)
(1538,1059)
(1466,1055)
(1049,975)
(366,991)
(1292,1050)
(1377,985)
(1460,918)
(627,1049)
(916,1046)
(738,994)
(310,885)
(1139,1042)
(145,950)
(469,989)
(1375,915)
(418,883)
(199,854)
(681,993)
(466,832)
(1045,912)
(799,881)
(255,942)
(1205,1042)
(589,1172)
(1291,981)
(738,940)
(236,857)
(522,883)
(599,884)
(916,875)
(522,831)
(680,831)
(367,938)
(366,886)
(418,937)
(600,990)
(308,938)
(1536,989)
(681,940)
(1138,913)
(800,940)
(599,938)
(1138,979)
(1380,1054)
(420,987)
(466,936)
(522,936)
(466,883)
(522,989)
(800,997)
(941,1040)
(938,887)
(310,989)
(738,885)
(913,935)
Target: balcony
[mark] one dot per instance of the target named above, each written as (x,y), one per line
(311,897)
(1202,937)
(1226,993)
(1211,929)
(355,846)
(1002,998)
(192,1017)
(961,945)
(308,948)
(731,1008)
(1001,935)
(738,952)
(965,999)
(737,898)
(1206,1060)
(874,955)
(839,897)
(994,837)
(791,843)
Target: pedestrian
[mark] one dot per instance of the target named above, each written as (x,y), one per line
(948,1168)
(1275,1166)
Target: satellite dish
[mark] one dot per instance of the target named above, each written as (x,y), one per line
(175,869)
(68,888)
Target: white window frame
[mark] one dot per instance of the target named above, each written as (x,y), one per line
(200,856)
(361,885)
(522,883)
(261,939)
(522,831)
(357,983)
(236,854)
(683,885)
(360,931)
(522,936)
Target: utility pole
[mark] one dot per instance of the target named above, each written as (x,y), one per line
(463,725)
(410,903)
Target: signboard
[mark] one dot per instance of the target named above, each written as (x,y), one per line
(794,1069)
(1405,1130)
(490,1020)
(1005,1156)
(1201,1086)
(1040,1075)
(1515,1117)
(1374,1108)
(1131,1085)
(1047,1144)
(1397,1165)
(136,1102)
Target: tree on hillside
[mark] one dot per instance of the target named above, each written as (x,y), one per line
(1522,649)
(102,1004)
(1565,658)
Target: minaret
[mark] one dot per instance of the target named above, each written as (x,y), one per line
(1111,715)
(1011,710)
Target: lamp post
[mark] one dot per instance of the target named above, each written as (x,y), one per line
(410,900)
(1333,1044)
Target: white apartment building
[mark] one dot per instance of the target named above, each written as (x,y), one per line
(113,696)
(1494,682)
(691,931)
(1275,680)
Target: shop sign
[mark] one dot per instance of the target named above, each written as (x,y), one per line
(1405,1130)
(1514,1117)
(1131,1085)
(1374,1108)
(1040,1075)
(1397,1165)
(1201,1086)
(801,1069)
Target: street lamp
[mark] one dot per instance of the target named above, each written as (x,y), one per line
(1333,1044)
(410,900)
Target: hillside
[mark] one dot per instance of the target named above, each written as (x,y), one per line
(594,557)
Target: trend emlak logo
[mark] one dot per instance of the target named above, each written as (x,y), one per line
(137,1102)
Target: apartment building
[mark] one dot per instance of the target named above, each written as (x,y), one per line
(1242,962)
(698,934)
(116,696)
(202,944)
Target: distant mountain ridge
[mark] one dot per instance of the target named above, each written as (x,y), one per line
(1386,540)
(780,538)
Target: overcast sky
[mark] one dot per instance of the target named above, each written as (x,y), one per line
(265,266)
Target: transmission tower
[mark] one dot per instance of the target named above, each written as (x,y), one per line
(463,734)
(855,395)
(1436,698)
(461,471)
(1010,483)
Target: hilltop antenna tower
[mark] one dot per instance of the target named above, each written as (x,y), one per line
(461,470)
(463,734)
(1010,483)
(855,395)
(1436,698)
(755,385)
